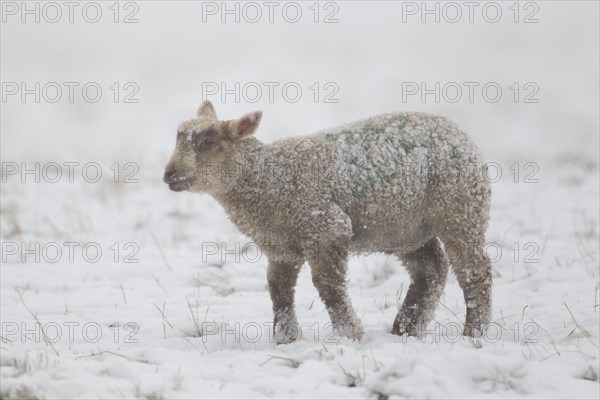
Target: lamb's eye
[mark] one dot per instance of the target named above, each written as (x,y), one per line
(208,142)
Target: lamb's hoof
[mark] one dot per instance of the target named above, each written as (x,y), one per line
(473,330)
(404,326)
(288,333)
(400,331)
(353,331)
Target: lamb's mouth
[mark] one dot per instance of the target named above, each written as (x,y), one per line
(180,184)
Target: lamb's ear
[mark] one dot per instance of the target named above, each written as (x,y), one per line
(247,124)
(207,110)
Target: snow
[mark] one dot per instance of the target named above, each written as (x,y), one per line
(215,337)
(189,321)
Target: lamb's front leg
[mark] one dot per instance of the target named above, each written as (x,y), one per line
(329,277)
(282,279)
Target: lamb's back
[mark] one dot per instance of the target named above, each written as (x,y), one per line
(381,171)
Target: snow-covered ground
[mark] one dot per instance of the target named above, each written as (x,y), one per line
(176,304)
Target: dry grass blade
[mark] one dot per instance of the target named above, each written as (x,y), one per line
(123,293)
(5,339)
(162,254)
(102,352)
(159,285)
(165,320)
(195,318)
(38,322)
(295,363)
(583,332)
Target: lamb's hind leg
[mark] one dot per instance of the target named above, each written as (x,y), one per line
(473,271)
(460,221)
(428,267)
(282,279)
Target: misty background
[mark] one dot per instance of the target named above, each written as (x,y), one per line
(370,53)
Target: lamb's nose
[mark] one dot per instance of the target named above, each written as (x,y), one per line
(169,175)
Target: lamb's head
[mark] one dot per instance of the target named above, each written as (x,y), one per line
(205,148)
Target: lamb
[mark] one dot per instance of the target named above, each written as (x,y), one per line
(400,183)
